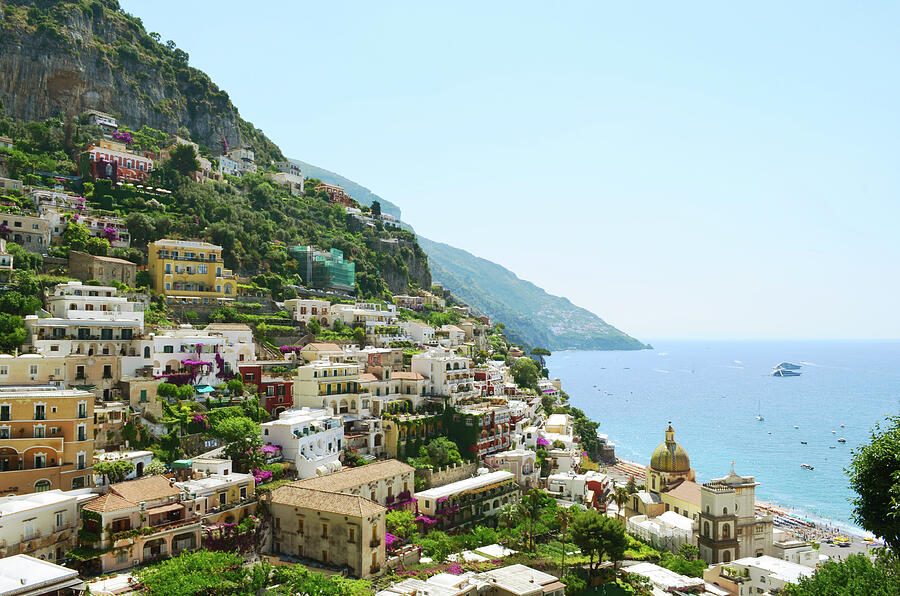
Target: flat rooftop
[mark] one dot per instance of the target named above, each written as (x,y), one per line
(23,574)
(464,485)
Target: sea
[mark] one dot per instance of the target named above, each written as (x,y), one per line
(713,391)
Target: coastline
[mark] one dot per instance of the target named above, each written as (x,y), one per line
(790,519)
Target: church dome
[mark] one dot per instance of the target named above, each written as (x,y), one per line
(670,456)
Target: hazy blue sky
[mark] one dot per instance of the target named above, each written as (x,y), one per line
(681,169)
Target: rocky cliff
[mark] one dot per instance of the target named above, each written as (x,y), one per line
(63,58)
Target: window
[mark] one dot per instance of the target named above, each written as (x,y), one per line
(39,431)
(78,482)
(106,334)
(168,349)
(33,369)
(40,461)
(168,268)
(324,530)
(4,432)
(82,461)
(300,522)
(4,370)
(143,395)
(79,372)
(352,535)
(243,492)
(40,412)
(4,412)
(82,409)
(201,269)
(42,486)
(82,432)
(222,498)
(107,371)
(28,529)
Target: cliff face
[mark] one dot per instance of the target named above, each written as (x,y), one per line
(63,58)
(401,264)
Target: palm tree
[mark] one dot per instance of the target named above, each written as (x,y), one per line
(620,497)
(509,516)
(532,503)
(564,516)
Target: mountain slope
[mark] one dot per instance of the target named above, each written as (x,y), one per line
(362,194)
(60,59)
(531,315)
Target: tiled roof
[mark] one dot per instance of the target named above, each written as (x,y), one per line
(329,502)
(109,502)
(227,327)
(407,376)
(323,347)
(150,488)
(353,477)
(367,377)
(687,490)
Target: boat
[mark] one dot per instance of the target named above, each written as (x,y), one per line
(842,440)
(785,372)
(788,366)
(795,426)
(834,432)
(759,415)
(807,466)
(842,426)
(803,442)
(832,447)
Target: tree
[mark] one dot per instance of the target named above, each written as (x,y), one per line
(689,551)
(115,471)
(77,237)
(540,352)
(443,451)
(508,516)
(183,159)
(314,327)
(597,535)
(359,336)
(141,227)
(12,332)
(875,476)
(525,373)
(620,497)
(235,386)
(154,468)
(564,516)
(16,303)
(531,506)
(856,575)
(376,209)
(196,573)
(631,487)
(242,438)
(400,523)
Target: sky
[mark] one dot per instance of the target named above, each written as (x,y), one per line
(683,170)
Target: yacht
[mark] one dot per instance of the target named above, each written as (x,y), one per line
(803,442)
(785,372)
(807,466)
(842,440)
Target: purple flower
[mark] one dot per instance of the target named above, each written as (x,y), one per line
(542,442)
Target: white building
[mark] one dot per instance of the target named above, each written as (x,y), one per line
(430,501)
(768,574)
(665,581)
(512,580)
(795,551)
(667,531)
(419,332)
(307,309)
(570,486)
(29,576)
(310,440)
(41,524)
(327,384)
(140,460)
(447,374)
(89,320)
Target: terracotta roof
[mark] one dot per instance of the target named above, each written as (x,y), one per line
(227,327)
(323,347)
(367,377)
(329,502)
(407,376)
(353,477)
(687,490)
(150,488)
(105,259)
(109,502)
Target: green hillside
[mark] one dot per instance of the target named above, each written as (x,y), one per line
(362,194)
(531,315)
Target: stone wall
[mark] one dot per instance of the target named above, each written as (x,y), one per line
(447,474)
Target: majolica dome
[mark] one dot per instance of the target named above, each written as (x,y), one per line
(670,456)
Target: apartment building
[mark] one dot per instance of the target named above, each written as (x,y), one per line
(521,462)
(469,500)
(42,525)
(29,232)
(97,374)
(112,160)
(307,309)
(46,439)
(216,498)
(276,390)
(292,182)
(388,482)
(339,530)
(419,332)
(190,272)
(311,440)
(327,384)
(449,376)
(492,425)
(143,519)
(89,320)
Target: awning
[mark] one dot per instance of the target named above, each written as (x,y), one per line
(165,508)
(204,388)
(181,464)
(553,587)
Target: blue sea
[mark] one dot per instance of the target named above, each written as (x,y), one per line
(712,392)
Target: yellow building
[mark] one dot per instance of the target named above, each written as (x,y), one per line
(670,483)
(190,272)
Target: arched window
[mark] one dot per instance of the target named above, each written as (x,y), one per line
(706,529)
(146,351)
(724,510)
(726,531)
(227,289)
(41,486)
(726,556)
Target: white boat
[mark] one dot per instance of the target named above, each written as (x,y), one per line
(842,440)
(795,426)
(807,466)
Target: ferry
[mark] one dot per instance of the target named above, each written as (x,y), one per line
(807,466)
